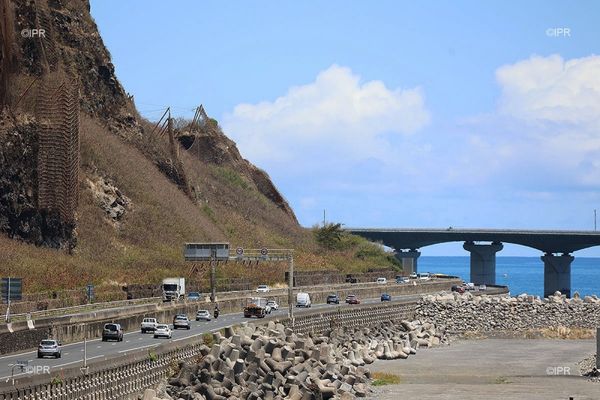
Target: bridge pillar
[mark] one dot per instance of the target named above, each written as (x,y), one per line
(409,260)
(557,273)
(483,261)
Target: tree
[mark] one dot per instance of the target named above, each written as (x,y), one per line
(329,235)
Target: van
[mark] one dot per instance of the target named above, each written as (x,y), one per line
(381,281)
(303,300)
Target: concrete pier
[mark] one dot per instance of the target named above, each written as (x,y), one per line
(408,259)
(483,261)
(557,273)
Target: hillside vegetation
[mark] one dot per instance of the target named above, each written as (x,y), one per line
(137,205)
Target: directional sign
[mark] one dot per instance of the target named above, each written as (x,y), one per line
(264,251)
(11,289)
(239,251)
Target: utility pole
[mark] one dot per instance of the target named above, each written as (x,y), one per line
(324,218)
(291,289)
(213,274)
(594,219)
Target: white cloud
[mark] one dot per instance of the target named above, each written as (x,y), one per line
(550,89)
(337,114)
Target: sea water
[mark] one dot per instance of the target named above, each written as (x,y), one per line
(520,274)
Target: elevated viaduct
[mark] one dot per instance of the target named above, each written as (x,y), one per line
(556,246)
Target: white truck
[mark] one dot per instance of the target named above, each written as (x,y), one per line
(303,300)
(173,289)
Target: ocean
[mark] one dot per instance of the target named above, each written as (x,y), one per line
(520,274)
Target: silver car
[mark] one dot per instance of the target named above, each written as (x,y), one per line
(203,315)
(181,321)
(49,347)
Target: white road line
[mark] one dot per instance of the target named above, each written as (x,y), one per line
(18,355)
(78,361)
(139,348)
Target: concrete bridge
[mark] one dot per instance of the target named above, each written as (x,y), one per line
(557,247)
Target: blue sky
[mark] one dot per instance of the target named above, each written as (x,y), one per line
(387,113)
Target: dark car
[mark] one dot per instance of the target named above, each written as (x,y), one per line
(112,332)
(352,299)
(194,296)
(333,299)
(351,279)
(458,289)
(386,297)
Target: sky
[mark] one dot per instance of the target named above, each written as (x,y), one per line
(387,113)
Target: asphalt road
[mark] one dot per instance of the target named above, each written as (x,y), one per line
(73,353)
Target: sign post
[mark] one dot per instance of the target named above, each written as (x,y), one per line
(11,290)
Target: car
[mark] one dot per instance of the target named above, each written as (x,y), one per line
(273,304)
(203,315)
(303,300)
(458,289)
(333,299)
(381,281)
(424,276)
(177,316)
(470,286)
(49,347)
(194,296)
(263,289)
(182,321)
(352,299)
(482,287)
(351,279)
(112,331)
(163,330)
(149,325)
(413,275)
(386,297)
(402,279)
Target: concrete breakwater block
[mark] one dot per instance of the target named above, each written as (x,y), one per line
(272,362)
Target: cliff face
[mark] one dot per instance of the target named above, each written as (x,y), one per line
(70,49)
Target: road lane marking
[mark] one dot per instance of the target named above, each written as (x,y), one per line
(77,361)
(140,348)
(18,355)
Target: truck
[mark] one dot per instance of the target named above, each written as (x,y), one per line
(255,307)
(173,289)
(303,300)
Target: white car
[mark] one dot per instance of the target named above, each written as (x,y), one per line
(203,315)
(425,276)
(163,330)
(381,281)
(273,304)
(413,275)
(263,289)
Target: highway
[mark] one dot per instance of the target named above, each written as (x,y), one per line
(73,353)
